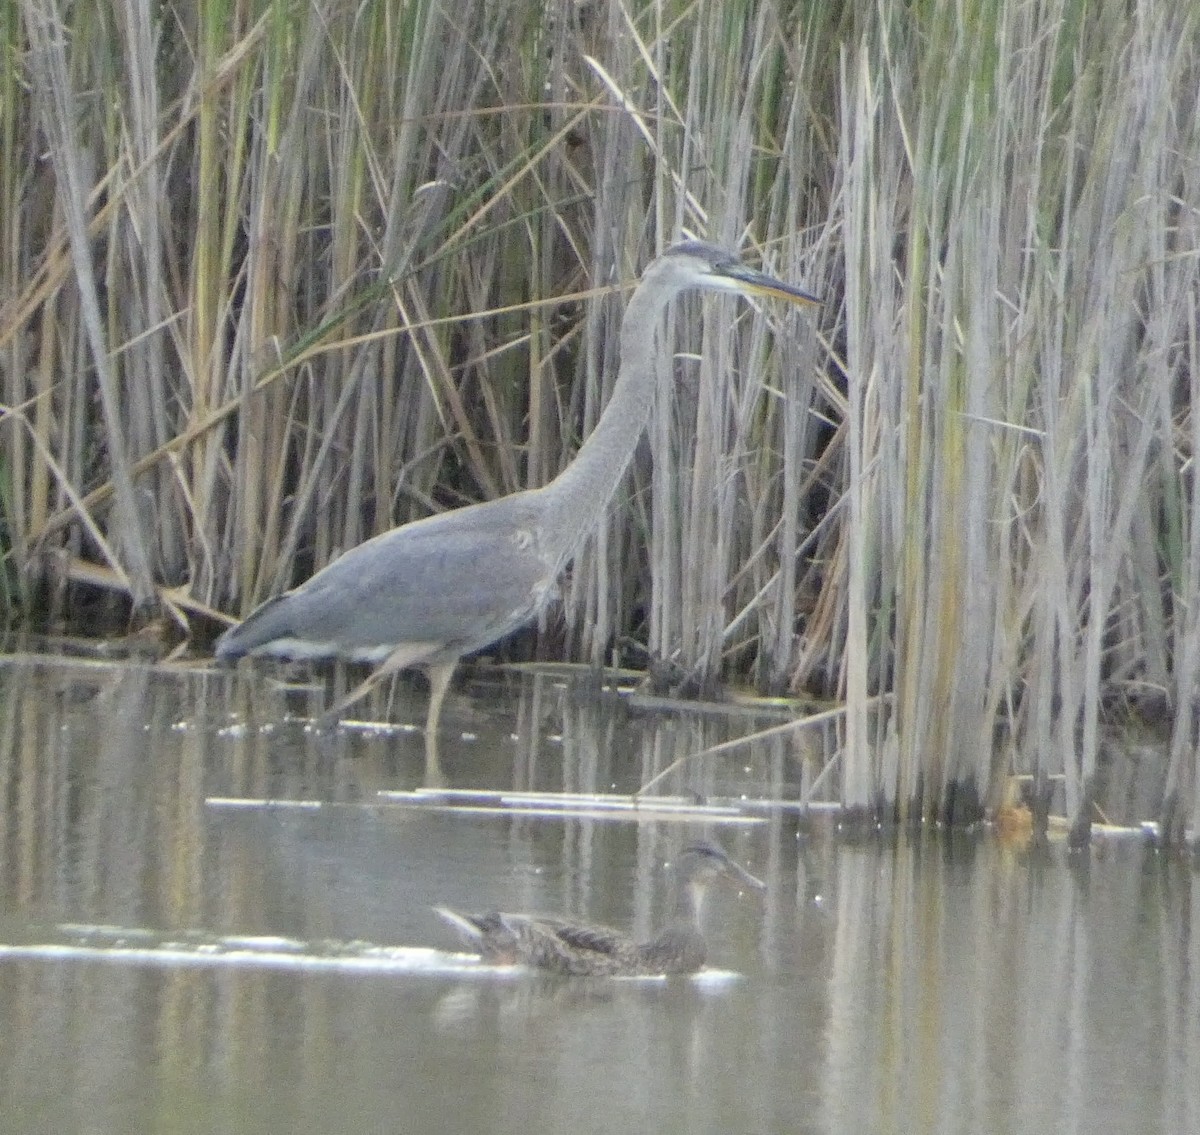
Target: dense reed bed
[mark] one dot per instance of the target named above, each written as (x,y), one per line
(277,276)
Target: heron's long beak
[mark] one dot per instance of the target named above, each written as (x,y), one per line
(760,284)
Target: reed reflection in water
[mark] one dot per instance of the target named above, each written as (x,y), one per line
(936,984)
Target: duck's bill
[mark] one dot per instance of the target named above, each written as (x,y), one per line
(742,877)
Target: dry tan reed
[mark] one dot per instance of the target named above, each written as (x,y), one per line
(278,276)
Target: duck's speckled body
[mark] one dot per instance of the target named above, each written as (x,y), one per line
(563,946)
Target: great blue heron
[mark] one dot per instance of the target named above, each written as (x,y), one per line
(426,593)
(576,949)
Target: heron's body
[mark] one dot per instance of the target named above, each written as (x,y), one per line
(576,949)
(417,585)
(428,592)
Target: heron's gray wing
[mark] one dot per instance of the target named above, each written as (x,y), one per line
(456,581)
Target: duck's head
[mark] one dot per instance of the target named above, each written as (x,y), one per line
(706,862)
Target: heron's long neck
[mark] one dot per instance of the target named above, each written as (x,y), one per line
(577,496)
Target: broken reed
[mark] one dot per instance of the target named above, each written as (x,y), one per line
(278,276)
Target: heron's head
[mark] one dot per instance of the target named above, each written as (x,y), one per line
(698,264)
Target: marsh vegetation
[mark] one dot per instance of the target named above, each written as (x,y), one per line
(277,276)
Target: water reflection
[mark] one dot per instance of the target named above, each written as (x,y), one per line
(935,985)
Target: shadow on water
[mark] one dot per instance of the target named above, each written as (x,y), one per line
(176,953)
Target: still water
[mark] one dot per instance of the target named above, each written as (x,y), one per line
(214,920)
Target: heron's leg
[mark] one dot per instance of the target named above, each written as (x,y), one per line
(439,683)
(410,654)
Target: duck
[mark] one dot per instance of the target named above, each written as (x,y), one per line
(563,946)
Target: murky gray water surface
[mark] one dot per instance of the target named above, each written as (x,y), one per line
(178,955)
